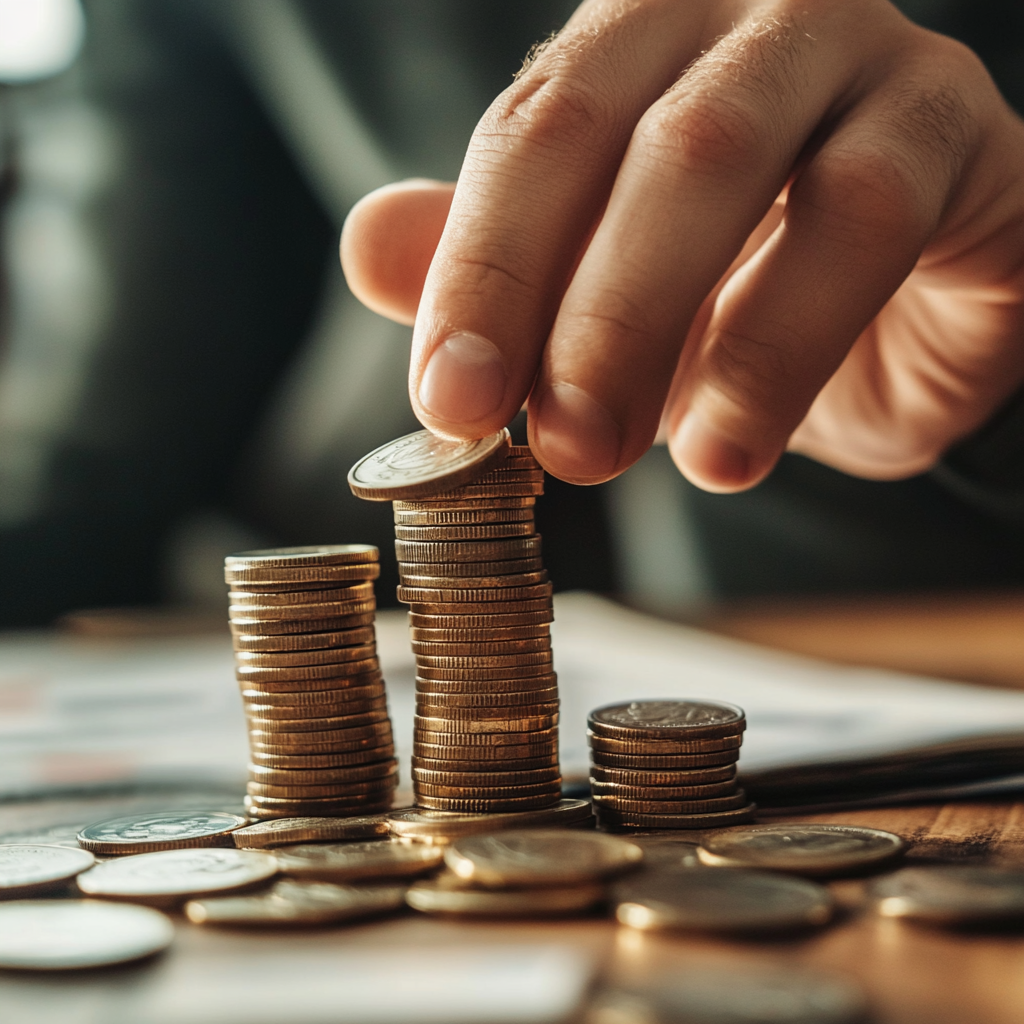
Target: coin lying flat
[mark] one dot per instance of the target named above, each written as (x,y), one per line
(538,857)
(54,935)
(298,903)
(423,464)
(660,854)
(712,819)
(424,824)
(286,831)
(706,899)
(952,895)
(350,862)
(666,719)
(801,849)
(172,830)
(329,554)
(439,896)
(170,876)
(26,869)
(739,996)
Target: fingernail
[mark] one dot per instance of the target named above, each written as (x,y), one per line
(710,458)
(464,380)
(575,435)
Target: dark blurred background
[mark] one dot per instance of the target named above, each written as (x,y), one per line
(183,372)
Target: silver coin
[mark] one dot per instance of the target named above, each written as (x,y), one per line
(951,895)
(666,719)
(172,830)
(28,869)
(422,464)
(53,935)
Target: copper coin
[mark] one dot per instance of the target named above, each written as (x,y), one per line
(258,734)
(291,659)
(314,573)
(481,648)
(436,504)
(294,585)
(335,595)
(463,517)
(465,766)
(541,605)
(500,490)
(342,670)
(357,742)
(328,554)
(614,790)
(509,673)
(321,806)
(522,572)
(485,687)
(319,713)
(524,460)
(510,474)
(466,737)
(363,634)
(628,806)
(522,751)
(322,777)
(484,660)
(381,753)
(487,792)
(418,552)
(641,779)
(487,780)
(516,719)
(479,623)
(302,612)
(719,819)
(282,627)
(641,763)
(305,685)
(464,701)
(468,532)
(663,747)
(666,720)
(308,792)
(486,806)
(350,797)
(490,592)
(487,634)
(339,695)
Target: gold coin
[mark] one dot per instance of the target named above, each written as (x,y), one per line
(362,632)
(488,780)
(703,899)
(502,595)
(280,558)
(427,703)
(312,574)
(343,670)
(381,752)
(663,747)
(337,595)
(456,518)
(802,849)
(419,552)
(660,793)
(172,830)
(642,763)
(469,532)
(298,903)
(486,687)
(433,896)
(666,719)
(489,805)
(464,726)
(493,741)
(492,634)
(422,463)
(301,612)
(286,831)
(333,656)
(952,894)
(357,862)
(323,776)
(26,870)
(643,780)
(283,627)
(322,792)
(711,819)
(171,876)
(540,857)
(523,572)
(461,505)
(488,611)
(712,805)
(373,691)
(481,648)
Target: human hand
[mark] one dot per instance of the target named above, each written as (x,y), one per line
(813,238)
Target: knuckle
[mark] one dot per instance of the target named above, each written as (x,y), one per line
(749,371)
(482,275)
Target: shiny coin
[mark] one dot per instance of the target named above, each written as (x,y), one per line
(365,685)
(496,676)
(802,849)
(666,719)
(434,896)
(54,935)
(492,723)
(507,789)
(287,831)
(377,722)
(298,903)
(453,703)
(476,648)
(661,793)
(481,621)
(289,659)
(536,857)
(336,574)
(737,996)
(505,765)
(275,613)
(488,661)
(486,780)
(663,747)
(528,572)
(491,490)
(316,724)
(952,894)
(713,805)
(345,670)
(355,773)
(485,687)
(490,635)
(711,819)
(422,464)
(435,506)
(483,608)
(144,833)
(322,792)
(665,854)
(350,862)
(248,626)
(470,532)
(345,594)
(476,805)
(329,554)
(172,875)
(379,753)
(309,641)
(674,762)
(692,777)
(26,870)
(448,597)
(286,586)
(468,551)
(704,899)
(424,824)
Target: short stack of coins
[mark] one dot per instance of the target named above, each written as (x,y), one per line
(667,764)
(306,660)
(480,612)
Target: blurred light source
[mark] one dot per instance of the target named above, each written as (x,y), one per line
(38,38)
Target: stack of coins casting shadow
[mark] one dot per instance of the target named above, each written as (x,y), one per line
(667,764)
(469,563)
(306,659)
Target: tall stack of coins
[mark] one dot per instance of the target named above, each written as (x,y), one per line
(469,564)
(667,764)
(306,660)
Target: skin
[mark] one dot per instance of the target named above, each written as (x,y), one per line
(737,227)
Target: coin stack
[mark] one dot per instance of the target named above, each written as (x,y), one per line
(667,764)
(480,611)
(306,660)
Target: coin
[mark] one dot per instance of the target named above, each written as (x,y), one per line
(485,661)
(243,626)
(518,511)
(286,831)
(502,673)
(663,747)
(486,687)
(709,819)
(469,531)
(170,830)
(666,719)
(649,763)
(27,870)
(290,659)
(508,788)
(377,720)
(538,857)
(433,896)
(494,722)
(351,862)
(346,594)
(510,765)
(524,573)
(170,876)
(318,574)
(435,506)
(662,853)
(251,610)
(694,776)
(353,773)
(307,641)
(488,609)
(491,490)
(382,752)
(488,804)
(485,779)
(417,824)
(711,805)
(468,551)
(493,633)
(298,903)
(802,849)
(345,670)
(953,895)
(508,701)
(496,593)
(330,554)
(335,790)
(50,935)
(706,899)
(661,793)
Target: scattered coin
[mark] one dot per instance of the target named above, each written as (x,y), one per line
(952,894)
(53,935)
(171,876)
(171,830)
(27,870)
(298,903)
(425,824)
(438,896)
(706,899)
(661,853)
(538,857)
(711,819)
(285,831)
(802,849)
(357,861)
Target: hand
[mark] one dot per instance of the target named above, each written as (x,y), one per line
(813,237)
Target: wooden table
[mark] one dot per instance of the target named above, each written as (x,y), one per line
(913,975)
